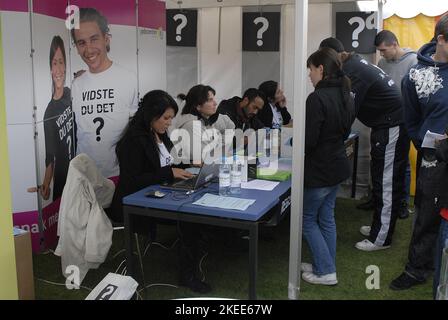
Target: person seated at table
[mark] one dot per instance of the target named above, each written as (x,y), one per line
(330,113)
(274,114)
(143,154)
(198,115)
(243,111)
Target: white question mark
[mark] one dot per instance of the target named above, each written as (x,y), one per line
(69,142)
(358,29)
(180,26)
(260,32)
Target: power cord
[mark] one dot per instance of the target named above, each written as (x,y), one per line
(60,284)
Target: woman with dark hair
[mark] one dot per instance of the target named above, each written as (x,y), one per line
(330,113)
(274,114)
(58,125)
(143,154)
(200,109)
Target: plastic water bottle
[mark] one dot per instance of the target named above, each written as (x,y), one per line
(268,142)
(224,178)
(235,176)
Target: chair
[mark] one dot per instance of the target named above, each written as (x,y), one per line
(84,230)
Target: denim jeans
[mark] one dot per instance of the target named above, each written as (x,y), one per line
(319,227)
(442,242)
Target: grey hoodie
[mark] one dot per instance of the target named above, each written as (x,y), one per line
(198,133)
(397,69)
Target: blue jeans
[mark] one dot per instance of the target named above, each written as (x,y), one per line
(319,227)
(442,243)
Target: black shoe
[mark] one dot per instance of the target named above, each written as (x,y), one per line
(404,281)
(368,205)
(195,285)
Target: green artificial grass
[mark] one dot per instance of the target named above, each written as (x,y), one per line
(226,266)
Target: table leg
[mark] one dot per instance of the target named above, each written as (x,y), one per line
(355,167)
(128,244)
(253,261)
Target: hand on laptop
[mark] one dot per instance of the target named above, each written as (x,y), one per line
(181,174)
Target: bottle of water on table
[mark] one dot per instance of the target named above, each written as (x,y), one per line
(235,176)
(224,177)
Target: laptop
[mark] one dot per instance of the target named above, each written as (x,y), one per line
(205,175)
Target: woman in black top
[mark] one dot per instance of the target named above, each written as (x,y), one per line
(274,114)
(58,125)
(329,115)
(144,158)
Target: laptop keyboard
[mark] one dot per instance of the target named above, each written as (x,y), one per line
(185,183)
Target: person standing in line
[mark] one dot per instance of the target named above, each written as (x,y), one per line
(396,62)
(425,94)
(378,106)
(330,113)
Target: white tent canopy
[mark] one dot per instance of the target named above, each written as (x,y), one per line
(411,8)
(402,8)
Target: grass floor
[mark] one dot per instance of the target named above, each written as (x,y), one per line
(226,269)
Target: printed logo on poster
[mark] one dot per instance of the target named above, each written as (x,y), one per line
(72,21)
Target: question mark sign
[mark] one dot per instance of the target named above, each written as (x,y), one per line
(260,32)
(180,26)
(358,29)
(107,292)
(98,130)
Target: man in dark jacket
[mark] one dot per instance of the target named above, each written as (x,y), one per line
(378,106)
(425,94)
(243,111)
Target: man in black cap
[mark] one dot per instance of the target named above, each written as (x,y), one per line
(378,106)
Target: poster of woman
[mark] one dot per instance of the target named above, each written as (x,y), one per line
(58,125)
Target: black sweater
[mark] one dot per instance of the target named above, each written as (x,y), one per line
(139,161)
(442,156)
(328,123)
(377,97)
(229,108)
(265,115)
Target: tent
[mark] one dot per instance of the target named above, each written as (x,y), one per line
(19,18)
(306,35)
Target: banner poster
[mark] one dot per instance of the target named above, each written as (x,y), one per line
(68,98)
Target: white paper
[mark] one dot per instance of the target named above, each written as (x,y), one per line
(212,200)
(114,287)
(430,139)
(257,184)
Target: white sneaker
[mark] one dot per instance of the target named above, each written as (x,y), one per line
(366,245)
(306,267)
(326,279)
(365,231)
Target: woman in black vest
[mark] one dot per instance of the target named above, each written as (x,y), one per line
(329,115)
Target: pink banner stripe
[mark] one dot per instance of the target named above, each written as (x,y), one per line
(30,221)
(120,12)
(151,14)
(52,8)
(14,5)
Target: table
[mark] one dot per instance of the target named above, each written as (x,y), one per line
(267,204)
(351,149)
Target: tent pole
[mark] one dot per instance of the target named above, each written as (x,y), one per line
(300,78)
